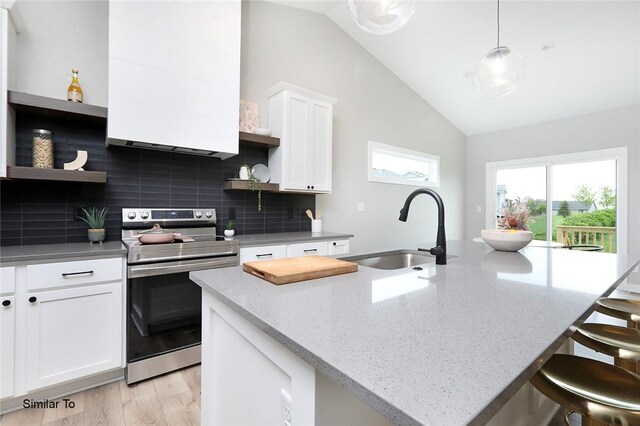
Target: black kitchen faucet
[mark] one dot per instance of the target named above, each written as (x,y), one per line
(440,250)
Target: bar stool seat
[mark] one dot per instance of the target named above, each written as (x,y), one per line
(599,391)
(622,343)
(625,309)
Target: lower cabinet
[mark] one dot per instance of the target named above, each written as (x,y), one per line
(250,254)
(73,333)
(338,247)
(313,248)
(64,326)
(307,248)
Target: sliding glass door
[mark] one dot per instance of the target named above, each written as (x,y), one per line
(575,199)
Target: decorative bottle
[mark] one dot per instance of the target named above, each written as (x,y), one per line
(74,92)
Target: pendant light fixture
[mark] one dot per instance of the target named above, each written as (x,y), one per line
(381,16)
(501,70)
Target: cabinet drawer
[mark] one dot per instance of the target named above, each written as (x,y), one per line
(64,274)
(251,254)
(7,280)
(339,247)
(307,249)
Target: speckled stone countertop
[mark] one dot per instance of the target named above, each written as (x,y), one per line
(34,253)
(250,240)
(444,345)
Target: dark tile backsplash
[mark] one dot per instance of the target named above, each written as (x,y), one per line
(40,212)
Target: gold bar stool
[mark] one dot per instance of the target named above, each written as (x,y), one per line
(599,392)
(625,309)
(622,343)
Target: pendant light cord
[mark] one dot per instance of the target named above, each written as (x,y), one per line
(498,19)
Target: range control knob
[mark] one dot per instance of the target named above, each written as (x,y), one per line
(131,215)
(208,214)
(144,215)
(198,214)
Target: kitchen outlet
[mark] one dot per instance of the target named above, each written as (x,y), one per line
(360,206)
(285,407)
(77,213)
(232,212)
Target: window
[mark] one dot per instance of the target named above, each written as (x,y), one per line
(576,199)
(391,164)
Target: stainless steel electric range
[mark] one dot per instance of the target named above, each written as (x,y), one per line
(163,304)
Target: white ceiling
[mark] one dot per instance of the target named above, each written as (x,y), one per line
(594,66)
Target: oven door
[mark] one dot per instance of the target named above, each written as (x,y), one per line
(164,306)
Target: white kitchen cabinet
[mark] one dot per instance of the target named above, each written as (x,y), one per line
(174,76)
(7,76)
(7,331)
(72,333)
(60,322)
(303,120)
(338,247)
(250,254)
(312,248)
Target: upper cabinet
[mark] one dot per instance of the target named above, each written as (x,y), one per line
(174,76)
(7,75)
(303,120)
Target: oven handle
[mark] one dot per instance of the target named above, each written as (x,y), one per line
(148,270)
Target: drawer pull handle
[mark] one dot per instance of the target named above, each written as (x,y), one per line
(6,302)
(33,299)
(68,274)
(264,255)
(311,250)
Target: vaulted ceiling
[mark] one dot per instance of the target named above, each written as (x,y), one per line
(580,57)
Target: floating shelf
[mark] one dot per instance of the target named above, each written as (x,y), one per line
(32,173)
(56,108)
(257,141)
(244,185)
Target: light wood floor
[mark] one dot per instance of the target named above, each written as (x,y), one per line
(173,399)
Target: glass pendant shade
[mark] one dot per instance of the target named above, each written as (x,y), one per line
(381,16)
(500,73)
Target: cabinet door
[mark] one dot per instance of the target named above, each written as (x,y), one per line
(339,247)
(296,132)
(7,345)
(73,333)
(316,248)
(250,254)
(321,148)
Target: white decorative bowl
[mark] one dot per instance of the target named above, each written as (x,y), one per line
(506,240)
(262,131)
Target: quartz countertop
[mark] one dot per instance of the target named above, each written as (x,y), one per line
(443,345)
(250,240)
(53,252)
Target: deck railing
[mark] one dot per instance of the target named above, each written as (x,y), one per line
(598,235)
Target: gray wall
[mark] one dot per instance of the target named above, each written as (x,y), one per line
(601,130)
(308,50)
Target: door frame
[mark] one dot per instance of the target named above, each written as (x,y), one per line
(619,154)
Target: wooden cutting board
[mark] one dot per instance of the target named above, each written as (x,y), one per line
(293,269)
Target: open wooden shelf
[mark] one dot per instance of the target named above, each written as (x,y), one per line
(32,173)
(56,108)
(244,186)
(257,141)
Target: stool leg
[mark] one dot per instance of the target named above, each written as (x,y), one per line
(632,324)
(627,365)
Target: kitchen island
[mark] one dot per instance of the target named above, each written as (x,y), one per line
(442,345)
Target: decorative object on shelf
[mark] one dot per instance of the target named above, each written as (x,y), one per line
(95,218)
(42,149)
(79,162)
(254,185)
(381,16)
(249,116)
(74,92)
(244,171)
(500,72)
(229,231)
(261,172)
(262,131)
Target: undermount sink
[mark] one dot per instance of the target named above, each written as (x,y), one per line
(396,259)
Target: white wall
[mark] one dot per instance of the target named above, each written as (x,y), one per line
(308,50)
(606,129)
(61,35)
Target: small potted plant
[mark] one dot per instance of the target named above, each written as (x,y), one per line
(228,232)
(95,218)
